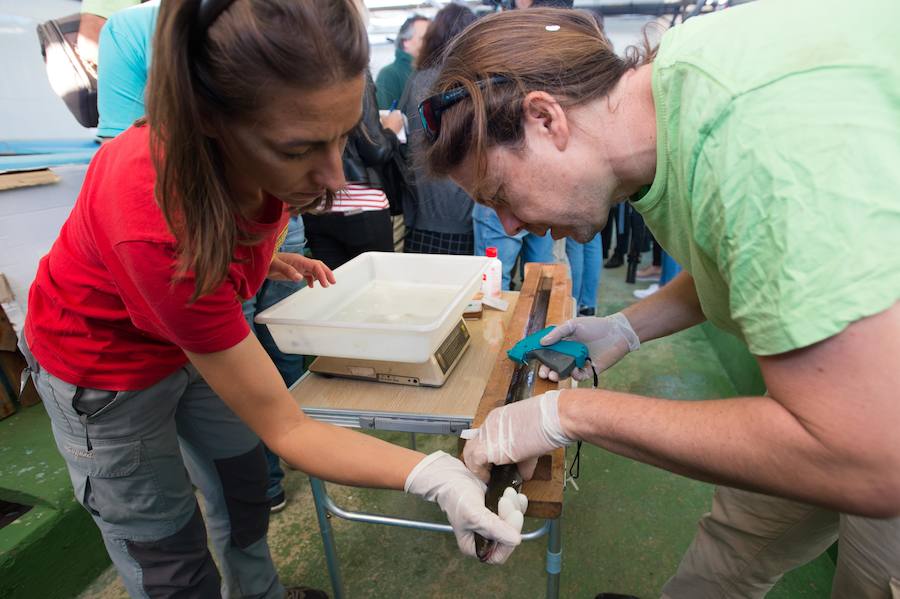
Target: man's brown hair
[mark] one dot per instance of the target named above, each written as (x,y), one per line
(562,52)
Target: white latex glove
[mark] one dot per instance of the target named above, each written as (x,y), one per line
(608,339)
(444,479)
(517,433)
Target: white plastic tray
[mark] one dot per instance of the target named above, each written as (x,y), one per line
(384,306)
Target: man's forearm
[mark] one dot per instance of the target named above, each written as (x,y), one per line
(751,442)
(671,309)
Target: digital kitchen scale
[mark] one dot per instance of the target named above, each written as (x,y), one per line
(431,373)
(391,317)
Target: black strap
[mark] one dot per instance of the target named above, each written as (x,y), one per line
(209,11)
(575,467)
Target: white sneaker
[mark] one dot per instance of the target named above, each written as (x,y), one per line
(642,293)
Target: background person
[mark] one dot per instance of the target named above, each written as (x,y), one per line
(137,341)
(522,247)
(560,129)
(94,14)
(392,78)
(586,267)
(441,221)
(359,219)
(125,52)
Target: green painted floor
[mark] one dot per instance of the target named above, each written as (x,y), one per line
(624,528)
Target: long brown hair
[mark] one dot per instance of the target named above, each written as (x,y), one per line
(202,79)
(447,24)
(562,52)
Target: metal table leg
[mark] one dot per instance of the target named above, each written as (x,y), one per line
(554,559)
(325,506)
(319,498)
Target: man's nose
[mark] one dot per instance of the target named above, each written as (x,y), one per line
(511,224)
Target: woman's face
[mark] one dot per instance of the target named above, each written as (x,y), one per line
(291,148)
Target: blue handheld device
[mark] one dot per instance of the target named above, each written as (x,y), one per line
(562,356)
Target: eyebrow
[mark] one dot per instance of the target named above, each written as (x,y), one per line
(311,142)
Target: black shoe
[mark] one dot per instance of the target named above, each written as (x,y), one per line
(587,312)
(277,503)
(615,261)
(614,596)
(304,593)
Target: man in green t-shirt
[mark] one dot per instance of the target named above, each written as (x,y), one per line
(769,135)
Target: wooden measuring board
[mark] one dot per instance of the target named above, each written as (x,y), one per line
(545,490)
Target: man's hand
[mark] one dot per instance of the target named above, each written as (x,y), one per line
(517,433)
(444,479)
(608,339)
(294,267)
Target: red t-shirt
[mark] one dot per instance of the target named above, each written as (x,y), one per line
(103,311)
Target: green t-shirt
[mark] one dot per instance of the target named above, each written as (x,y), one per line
(778,165)
(105,8)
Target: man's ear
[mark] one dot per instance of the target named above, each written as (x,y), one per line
(544,117)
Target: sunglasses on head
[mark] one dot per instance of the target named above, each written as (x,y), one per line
(431,109)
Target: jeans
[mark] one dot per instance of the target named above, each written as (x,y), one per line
(670,269)
(290,366)
(489,232)
(586,264)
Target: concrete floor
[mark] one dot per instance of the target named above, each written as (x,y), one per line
(624,529)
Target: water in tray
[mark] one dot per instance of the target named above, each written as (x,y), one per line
(389,302)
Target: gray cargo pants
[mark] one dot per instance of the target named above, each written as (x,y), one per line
(748,541)
(132,456)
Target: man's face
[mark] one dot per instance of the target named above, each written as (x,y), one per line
(292,146)
(539,187)
(414,44)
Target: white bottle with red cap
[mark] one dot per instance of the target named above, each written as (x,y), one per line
(492,277)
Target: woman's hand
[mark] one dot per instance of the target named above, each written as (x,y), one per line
(295,267)
(444,479)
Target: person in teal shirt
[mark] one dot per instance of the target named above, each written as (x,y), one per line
(771,149)
(94,14)
(392,78)
(125,52)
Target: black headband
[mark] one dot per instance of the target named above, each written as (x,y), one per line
(209,11)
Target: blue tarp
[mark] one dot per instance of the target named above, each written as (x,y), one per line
(28,154)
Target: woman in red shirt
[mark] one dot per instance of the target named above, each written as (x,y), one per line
(140,349)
